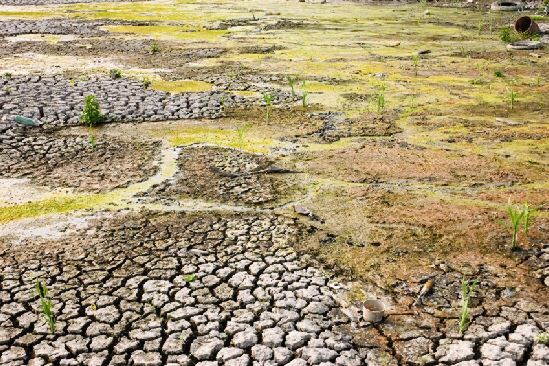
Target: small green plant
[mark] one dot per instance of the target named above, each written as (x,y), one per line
(223,101)
(47,308)
(241,132)
(304,97)
(415,62)
(7,75)
(543,338)
(115,73)
(526,218)
(146,82)
(380,98)
(189,278)
(268,99)
(499,74)
(91,114)
(292,80)
(467,290)
(516,215)
(155,48)
(7,90)
(505,35)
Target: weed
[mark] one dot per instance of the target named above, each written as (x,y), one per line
(7,75)
(7,90)
(543,338)
(415,62)
(505,35)
(189,278)
(223,101)
(91,114)
(477,82)
(499,74)
(516,215)
(155,48)
(115,73)
(146,82)
(304,97)
(47,310)
(292,80)
(381,99)
(526,218)
(268,99)
(241,131)
(467,290)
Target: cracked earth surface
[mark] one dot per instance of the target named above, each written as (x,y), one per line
(202,225)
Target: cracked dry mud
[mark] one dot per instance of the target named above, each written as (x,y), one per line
(193,229)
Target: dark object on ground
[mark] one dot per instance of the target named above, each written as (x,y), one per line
(525,24)
(505,5)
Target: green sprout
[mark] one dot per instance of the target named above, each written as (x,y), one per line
(91,114)
(517,216)
(499,74)
(7,90)
(155,48)
(146,82)
(505,35)
(241,131)
(467,290)
(543,338)
(292,80)
(268,99)
(92,140)
(115,73)
(7,75)
(47,310)
(189,278)
(381,99)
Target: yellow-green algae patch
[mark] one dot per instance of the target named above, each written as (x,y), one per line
(180,86)
(55,205)
(169,32)
(237,138)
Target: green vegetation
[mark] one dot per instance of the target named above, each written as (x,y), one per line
(505,35)
(512,98)
(146,82)
(92,140)
(7,75)
(467,290)
(292,80)
(241,131)
(47,308)
(115,73)
(518,215)
(543,338)
(189,278)
(499,74)
(268,99)
(7,90)
(155,48)
(91,114)
(380,98)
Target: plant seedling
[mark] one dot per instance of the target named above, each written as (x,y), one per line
(115,73)
(241,131)
(498,74)
(516,216)
(189,278)
(268,99)
(292,80)
(467,290)
(7,75)
(146,82)
(155,48)
(7,90)
(505,35)
(381,99)
(304,99)
(543,338)
(47,310)
(93,141)
(91,114)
